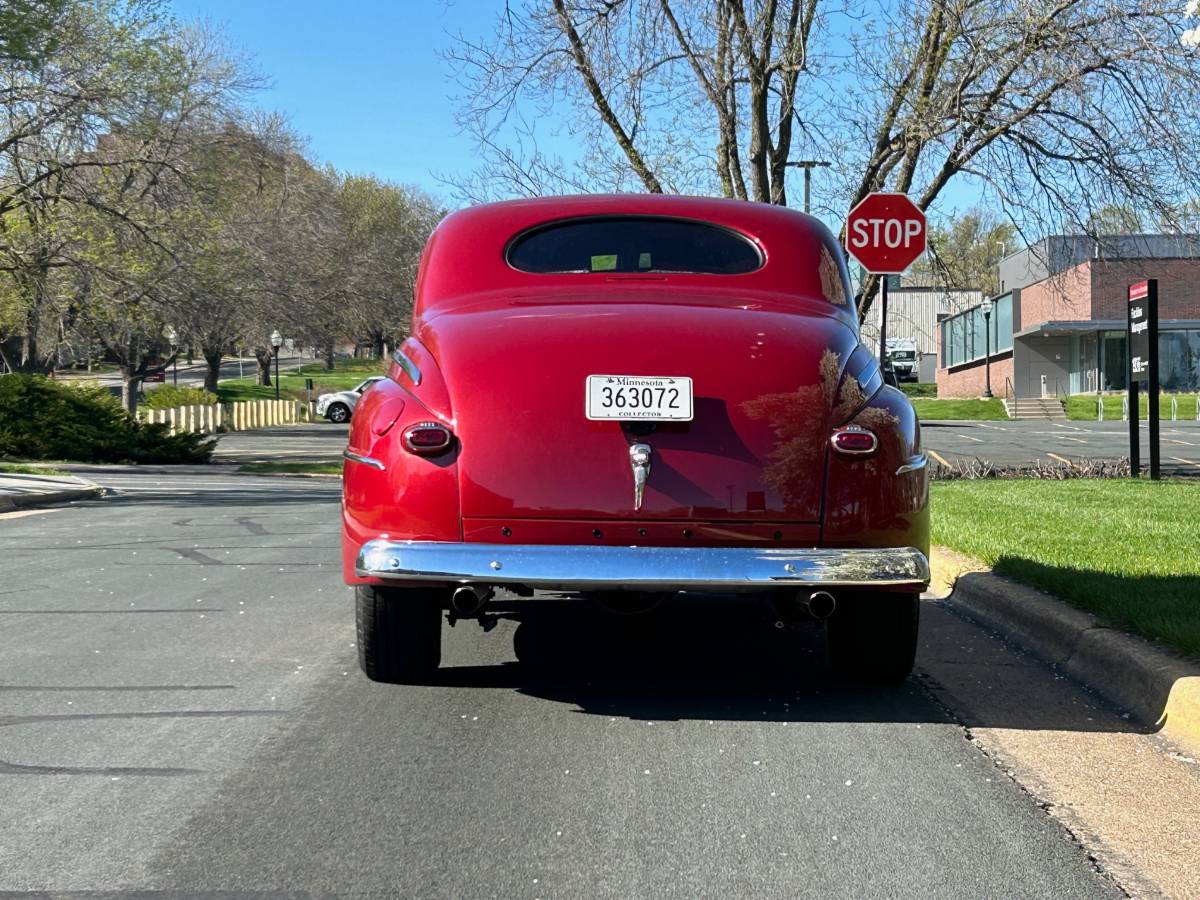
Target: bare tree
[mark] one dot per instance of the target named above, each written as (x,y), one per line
(1053,109)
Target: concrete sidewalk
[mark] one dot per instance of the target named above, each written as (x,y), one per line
(23,491)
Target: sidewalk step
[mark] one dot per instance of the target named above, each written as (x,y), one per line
(1034,408)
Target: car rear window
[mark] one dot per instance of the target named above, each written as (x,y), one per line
(633,244)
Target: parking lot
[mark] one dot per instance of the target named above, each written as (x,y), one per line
(1022,442)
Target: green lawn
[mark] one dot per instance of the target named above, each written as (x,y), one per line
(364,366)
(291,468)
(346,374)
(1084,406)
(1128,551)
(959,409)
(919,388)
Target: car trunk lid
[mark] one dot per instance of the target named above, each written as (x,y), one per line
(764,377)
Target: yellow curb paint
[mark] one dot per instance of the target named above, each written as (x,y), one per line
(1186,462)
(1180,720)
(938,457)
(945,567)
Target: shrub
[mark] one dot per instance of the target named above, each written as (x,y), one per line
(44,419)
(919,389)
(168,396)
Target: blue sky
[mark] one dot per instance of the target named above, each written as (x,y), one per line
(361,79)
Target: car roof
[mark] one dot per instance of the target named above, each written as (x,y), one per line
(466,255)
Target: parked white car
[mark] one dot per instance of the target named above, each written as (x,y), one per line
(339,406)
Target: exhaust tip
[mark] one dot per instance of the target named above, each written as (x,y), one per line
(820,604)
(468,600)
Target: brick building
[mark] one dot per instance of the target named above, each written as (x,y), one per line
(1058,327)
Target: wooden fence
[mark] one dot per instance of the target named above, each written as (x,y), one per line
(241,416)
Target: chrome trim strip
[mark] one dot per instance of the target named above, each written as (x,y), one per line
(870,379)
(365,460)
(914,464)
(572,567)
(409,367)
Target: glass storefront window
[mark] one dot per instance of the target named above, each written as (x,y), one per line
(963,334)
(1193,342)
(1112,361)
(1178,360)
(1174,372)
(1002,322)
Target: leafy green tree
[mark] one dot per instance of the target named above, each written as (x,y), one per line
(385,229)
(1115,218)
(27,29)
(964,254)
(120,89)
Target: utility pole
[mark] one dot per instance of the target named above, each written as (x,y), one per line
(808,165)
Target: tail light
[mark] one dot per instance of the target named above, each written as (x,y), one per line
(854,440)
(427,438)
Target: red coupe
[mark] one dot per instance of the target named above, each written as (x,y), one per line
(631,397)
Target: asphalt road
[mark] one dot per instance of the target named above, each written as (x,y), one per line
(180,710)
(1021,442)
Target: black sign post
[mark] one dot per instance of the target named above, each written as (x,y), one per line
(1143,366)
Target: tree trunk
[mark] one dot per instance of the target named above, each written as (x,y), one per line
(212,371)
(329,351)
(264,366)
(31,353)
(130,382)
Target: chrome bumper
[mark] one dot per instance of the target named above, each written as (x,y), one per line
(573,567)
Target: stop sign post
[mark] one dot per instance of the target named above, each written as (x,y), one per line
(885,232)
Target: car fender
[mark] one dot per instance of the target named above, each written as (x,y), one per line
(394,491)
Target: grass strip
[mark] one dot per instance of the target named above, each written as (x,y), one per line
(291,468)
(1083,407)
(985,410)
(1124,550)
(7,468)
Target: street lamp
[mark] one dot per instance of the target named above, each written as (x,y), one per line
(276,343)
(172,337)
(986,306)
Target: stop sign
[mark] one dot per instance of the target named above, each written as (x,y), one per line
(886,233)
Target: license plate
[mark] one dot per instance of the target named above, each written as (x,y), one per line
(639,397)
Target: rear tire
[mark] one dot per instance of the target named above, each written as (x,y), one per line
(399,633)
(338,413)
(873,636)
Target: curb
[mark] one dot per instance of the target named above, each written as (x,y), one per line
(1157,687)
(28,501)
(291,474)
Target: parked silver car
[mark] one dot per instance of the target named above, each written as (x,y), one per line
(339,406)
